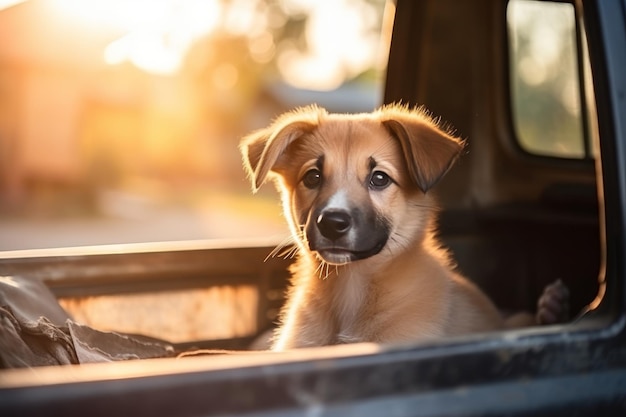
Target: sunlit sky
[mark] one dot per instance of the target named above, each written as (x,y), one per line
(157,34)
(7,3)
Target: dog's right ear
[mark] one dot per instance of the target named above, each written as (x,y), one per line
(261,149)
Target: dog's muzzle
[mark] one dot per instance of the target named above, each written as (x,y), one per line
(340,236)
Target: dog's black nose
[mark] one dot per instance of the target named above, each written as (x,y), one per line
(334,224)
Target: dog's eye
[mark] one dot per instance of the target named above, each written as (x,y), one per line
(312,178)
(379,180)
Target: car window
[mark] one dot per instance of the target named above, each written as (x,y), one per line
(120,120)
(545,79)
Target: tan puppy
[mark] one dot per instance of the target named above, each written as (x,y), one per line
(354,191)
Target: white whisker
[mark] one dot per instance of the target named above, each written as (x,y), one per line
(285,249)
(318,270)
(327,271)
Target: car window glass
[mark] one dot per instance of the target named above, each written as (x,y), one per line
(544,77)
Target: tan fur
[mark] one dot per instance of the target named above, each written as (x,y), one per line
(407,290)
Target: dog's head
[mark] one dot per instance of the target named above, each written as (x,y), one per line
(349,181)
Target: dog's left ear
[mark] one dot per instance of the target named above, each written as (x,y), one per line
(429,151)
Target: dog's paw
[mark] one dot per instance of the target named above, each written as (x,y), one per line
(553,305)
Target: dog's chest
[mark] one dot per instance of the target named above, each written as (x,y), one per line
(351,298)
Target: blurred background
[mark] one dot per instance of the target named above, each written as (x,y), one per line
(120,120)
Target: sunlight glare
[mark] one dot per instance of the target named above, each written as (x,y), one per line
(158,33)
(112,14)
(335,55)
(244,19)
(5,4)
(145,50)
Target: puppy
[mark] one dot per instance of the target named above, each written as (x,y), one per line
(355,194)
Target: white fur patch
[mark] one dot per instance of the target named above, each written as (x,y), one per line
(339,200)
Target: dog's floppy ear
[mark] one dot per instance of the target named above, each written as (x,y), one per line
(261,149)
(429,151)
